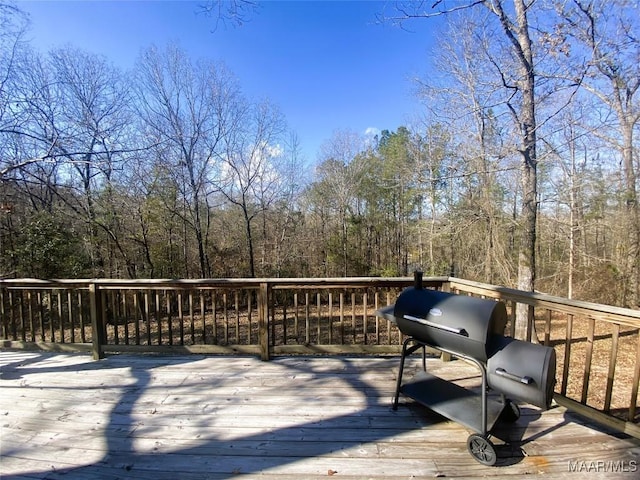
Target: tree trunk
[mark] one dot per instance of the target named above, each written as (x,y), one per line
(247,223)
(518,35)
(632,294)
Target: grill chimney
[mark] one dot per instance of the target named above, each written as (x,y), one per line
(417,280)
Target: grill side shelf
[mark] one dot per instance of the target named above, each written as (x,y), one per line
(387,313)
(452,401)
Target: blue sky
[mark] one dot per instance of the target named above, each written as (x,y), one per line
(328,65)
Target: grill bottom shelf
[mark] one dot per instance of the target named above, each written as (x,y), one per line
(453,401)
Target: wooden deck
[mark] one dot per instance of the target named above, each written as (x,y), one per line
(64,416)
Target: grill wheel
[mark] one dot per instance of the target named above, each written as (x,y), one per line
(482,449)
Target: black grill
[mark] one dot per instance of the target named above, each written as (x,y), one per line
(464,324)
(472,329)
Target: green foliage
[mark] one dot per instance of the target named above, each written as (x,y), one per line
(47,248)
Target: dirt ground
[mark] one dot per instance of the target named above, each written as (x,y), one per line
(598,338)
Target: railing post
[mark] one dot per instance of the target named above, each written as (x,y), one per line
(531,323)
(446,287)
(523,322)
(3,314)
(263,320)
(97,322)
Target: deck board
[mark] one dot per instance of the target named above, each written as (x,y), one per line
(64,416)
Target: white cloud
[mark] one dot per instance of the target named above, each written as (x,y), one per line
(372,131)
(274,150)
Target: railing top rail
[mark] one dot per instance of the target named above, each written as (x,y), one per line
(626,316)
(337,282)
(341,282)
(35,283)
(610,313)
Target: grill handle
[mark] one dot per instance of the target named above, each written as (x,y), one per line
(501,372)
(423,321)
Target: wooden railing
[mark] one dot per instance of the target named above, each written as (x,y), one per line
(597,346)
(255,316)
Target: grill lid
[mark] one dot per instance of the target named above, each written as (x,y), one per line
(524,371)
(460,323)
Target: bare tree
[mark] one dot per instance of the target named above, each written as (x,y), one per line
(229,12)
(87,133)
(610,31)
(512,59)
(13,25)
(469,102)
(249,178)
(339,176)
(292,180)
(186,108)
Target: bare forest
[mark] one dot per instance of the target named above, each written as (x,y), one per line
(522,170)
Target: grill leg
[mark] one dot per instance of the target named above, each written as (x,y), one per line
(405,346)
(484,394)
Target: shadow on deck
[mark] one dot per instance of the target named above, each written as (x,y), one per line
(212,417)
